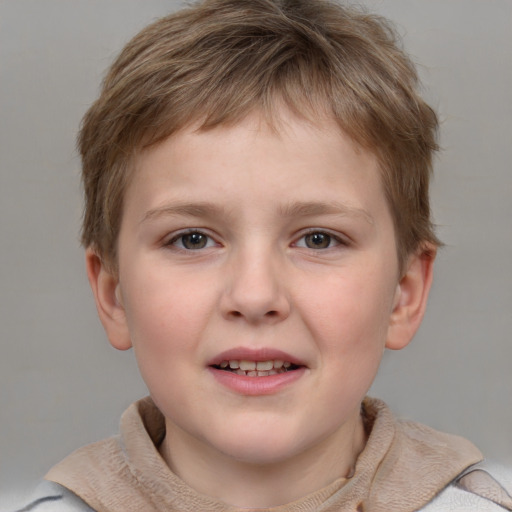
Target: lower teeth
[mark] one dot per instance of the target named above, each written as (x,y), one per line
(256,373)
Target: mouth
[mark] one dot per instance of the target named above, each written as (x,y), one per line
(251,368)
(256,372)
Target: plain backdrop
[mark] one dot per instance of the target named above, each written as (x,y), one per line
(62,385)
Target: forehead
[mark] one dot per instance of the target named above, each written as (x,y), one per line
(289,133)
(288,159)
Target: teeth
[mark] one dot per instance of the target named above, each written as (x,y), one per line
(247,365)
(256,368)
(264,366)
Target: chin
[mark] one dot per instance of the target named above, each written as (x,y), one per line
(258,455)
(263,446)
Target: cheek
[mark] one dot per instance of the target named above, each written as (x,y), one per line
(351,331)
(349,312)
(166,330)
(165,316)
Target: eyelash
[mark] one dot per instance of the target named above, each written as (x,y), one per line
(210,242)
(331,237)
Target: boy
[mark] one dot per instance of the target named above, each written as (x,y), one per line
(257,227)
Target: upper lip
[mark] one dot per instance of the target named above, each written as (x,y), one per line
(253,354)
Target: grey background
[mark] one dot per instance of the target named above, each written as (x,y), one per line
(62,385)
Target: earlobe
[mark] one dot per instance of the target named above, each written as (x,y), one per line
(411,299)
(108,298)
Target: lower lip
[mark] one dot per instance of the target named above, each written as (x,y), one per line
(256,386)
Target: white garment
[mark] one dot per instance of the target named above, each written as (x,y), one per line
(51,497)
(496,486)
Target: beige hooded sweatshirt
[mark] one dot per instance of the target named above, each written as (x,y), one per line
(403,466)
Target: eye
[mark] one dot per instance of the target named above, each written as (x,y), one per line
(318,240)
(192,241)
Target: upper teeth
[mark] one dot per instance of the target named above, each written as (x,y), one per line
(245,365)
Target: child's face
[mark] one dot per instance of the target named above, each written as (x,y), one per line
(241,243)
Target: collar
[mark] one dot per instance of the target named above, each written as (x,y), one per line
(402,467)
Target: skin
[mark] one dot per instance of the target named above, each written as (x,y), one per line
(278,270)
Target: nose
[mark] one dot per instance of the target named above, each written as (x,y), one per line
(254,289)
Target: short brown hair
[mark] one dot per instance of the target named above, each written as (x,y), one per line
(214,62)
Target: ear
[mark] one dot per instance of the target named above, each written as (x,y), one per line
(411,298)
(107,295)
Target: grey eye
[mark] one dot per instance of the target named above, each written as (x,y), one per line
(193,241)
(317,240)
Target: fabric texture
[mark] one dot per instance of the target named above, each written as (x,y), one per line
(483,487)
(50,497)
(403,467)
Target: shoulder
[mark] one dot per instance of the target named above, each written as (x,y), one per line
(52,497)
(483,487)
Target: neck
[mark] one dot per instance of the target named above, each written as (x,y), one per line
(263,485)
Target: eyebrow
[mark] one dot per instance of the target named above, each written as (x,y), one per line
(312,208)
(295,209)
(200,209)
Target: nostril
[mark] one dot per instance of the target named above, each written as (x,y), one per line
(272,313)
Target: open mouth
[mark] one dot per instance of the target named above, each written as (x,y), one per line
(256,368)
